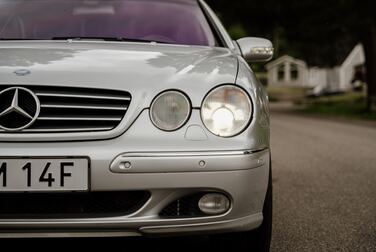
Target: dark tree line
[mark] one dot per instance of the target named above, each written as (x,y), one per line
(322,32)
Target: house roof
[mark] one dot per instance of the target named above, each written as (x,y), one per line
(358,51)
(284,59)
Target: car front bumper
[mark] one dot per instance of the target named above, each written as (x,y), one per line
(245,182)
(169,166)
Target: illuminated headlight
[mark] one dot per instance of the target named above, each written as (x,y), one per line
(226,111)
(170,110)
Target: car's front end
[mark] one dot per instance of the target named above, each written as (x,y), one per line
(134,155)
(111,138)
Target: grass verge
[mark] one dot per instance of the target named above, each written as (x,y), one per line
(349,105)
(277,94)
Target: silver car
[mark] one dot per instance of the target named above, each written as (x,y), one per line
(131,118)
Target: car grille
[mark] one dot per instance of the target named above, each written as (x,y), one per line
(70,205)
(72,109)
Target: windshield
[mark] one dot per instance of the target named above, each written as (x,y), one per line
(175,22)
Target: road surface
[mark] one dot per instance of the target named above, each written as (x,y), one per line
(324,184)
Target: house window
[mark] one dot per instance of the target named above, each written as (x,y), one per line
(294,72)
(281,72)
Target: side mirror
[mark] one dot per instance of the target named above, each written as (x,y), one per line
(256,49)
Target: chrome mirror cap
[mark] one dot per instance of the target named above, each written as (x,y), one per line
(256,49)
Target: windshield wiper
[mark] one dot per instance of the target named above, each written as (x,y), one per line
(16,39)
(115,39)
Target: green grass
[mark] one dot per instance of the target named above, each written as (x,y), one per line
(286,93)
(350,105)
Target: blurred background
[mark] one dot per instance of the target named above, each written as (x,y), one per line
(322,49)
(322,89)
(321,85)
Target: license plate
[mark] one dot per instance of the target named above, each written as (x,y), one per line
(43,175)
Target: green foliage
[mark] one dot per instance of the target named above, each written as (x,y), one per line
(351,105)
(237,31)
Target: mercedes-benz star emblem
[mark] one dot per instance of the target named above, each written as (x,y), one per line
(19,108)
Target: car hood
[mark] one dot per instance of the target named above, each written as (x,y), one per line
(142,69)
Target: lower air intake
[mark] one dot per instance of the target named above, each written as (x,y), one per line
(70,205)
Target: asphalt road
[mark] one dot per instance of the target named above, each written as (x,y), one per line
(324,191)
(324,184)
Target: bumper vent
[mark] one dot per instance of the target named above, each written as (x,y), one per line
(186,207)
(72,205)
(71,109)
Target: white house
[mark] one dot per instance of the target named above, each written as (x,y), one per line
(288,71)
(353,61)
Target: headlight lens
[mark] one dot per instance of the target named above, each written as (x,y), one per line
(226,111)
(170,110)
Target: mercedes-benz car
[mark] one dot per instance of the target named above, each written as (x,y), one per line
(131,118)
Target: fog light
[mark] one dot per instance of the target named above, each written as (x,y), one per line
(214,204)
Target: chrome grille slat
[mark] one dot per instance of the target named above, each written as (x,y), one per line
(76,109)
(82,107)
(41,118)
(67,95)
(66,130)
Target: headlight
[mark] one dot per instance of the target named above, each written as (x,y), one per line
(170,110)
(226,111)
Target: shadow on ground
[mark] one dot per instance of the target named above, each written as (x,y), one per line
(120,244)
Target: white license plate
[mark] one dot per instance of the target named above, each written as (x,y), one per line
(43,175)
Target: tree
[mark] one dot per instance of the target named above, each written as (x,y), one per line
(321,32)
(364,23)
